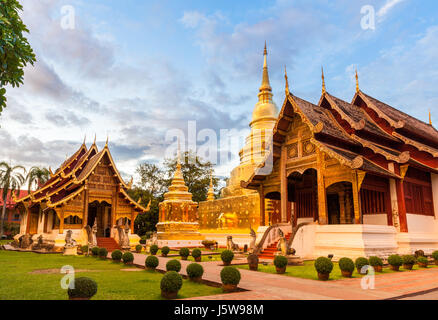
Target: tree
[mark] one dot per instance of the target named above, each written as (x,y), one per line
(11,179)
(15,51)
(37,176)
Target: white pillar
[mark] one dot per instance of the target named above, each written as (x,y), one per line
(394,204)
(435,193)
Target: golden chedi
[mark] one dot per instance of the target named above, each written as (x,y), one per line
(178,215)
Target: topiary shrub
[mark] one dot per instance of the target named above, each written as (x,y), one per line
(360,263)
(84,249)
(408,261)
(84,289)
(323,266)
(128,258)
(253,261)
(138,248)
(197,254)
(170,284)
(280,262)
(422,262)
(173,265)
(143,240)
(230,278)
(435,257)
(154,249)
(184,253)
(419,253)
(151,262)
(227,256)
(376,263)
(347,266)
(395,261)
(95,251)
(103,252)
(116,255)
(195,271)
(165,251)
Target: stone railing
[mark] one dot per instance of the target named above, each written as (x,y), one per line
(271,235)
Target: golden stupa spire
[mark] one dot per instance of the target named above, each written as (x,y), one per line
(357,82)
(266,86)
(287,82)
(210,194)
(430,118)
(323,80)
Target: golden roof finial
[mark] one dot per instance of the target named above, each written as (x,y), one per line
(265,80)
(106,143)
(430,118)
(85,138)
(357,82)
(95,135)
(287,82)
(210,193)
(323,80)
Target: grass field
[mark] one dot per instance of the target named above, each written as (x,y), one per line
(31,276)
(5,241)
(308,271)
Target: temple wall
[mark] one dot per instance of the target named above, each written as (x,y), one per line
(376,219)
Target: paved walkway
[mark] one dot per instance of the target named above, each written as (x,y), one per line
(266,286)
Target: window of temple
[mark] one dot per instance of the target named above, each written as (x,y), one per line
(418,192)
(73,220)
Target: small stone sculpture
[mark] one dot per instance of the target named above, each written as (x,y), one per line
(69,241)
(25,241)
(231,245)
(282,243)
(252,244)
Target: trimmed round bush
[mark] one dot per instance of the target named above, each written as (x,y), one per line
(230,275)
(346,264)
(419,253)
(165,250)
(361,262)
(116,255)
(143,240)
(280,261)
(423,260)
(95,251)
(395,260)
(151,262)
(173,265)
(408,259)
(138,248)
(375,262)
(227,256)
(84,288)
(128,257)
(103,252)
(171,282)
(84,249)
(323,265)
(435,255)
(194,270)
(184,252)
(196,253)
(154,249)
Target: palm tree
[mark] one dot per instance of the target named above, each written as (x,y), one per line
(11,179)
(37,176)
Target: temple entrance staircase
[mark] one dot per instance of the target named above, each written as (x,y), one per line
(268,252)
(109,243)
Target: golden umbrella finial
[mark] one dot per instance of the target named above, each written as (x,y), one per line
(357,82)
(430,118)
(287,82)
(323,80)
(106,143)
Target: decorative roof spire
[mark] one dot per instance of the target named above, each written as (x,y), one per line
(430,118)
(357,82)
(210,194)
(323,80)
(94,142)
(265,80)
(106,143)
(85,138)
(287,82)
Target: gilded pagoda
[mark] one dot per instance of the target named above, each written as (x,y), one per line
(86,189)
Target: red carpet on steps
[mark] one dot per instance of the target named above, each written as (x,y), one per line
(268,253)
(109,243)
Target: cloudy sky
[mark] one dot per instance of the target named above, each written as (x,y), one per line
(137,70)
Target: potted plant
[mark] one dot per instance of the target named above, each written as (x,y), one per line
(323,266)
(173,265)
(195,272)
(280,263)
(227,256)
(422,262)
(95,251)
(138,248)
(408,261)
(253,262)
(395,261)
(360,263)
(376,263)
(208,244)
(230,278)
(116,255)
(151,263)
(84,289)
(197,255)
(143,240)
(153,249)
(103,253)
(165,251)
(184,253)
(435,257)
(170,284)
(128,258)
(347,267)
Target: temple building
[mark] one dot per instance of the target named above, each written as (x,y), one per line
(86,189)
(361,176)
(238,208)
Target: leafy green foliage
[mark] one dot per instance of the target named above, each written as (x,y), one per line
(15,51)
(84,288)
(194,270)
(171,282)
(138,248)
(408,259)
(346,264)
(230,275)
(196,253)
(375,261)
(227,256)
(152,262)
(154,249)
(280,261)
(84,249)
(395,260)
(361,262)
(173,265)
(184,252)
(95,251)
(116,255)
(37,176)
(128,257)
(323,265)
(103,252)
(422,260)
(165,250)
(435,255)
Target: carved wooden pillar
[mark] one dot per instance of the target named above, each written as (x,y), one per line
(61,221)
(322,196)
(348,207)
(85,218)
(358,177)
(113,210)
(262,205)
(27,219)
(342,207)
(283,180)
(401,206)
(132,220)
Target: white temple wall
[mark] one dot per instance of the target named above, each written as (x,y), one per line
(376,219)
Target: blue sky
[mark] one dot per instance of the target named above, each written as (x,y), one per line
(136,69)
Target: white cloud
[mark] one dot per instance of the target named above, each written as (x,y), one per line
(383,11)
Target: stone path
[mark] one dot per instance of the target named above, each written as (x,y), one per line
(265,286)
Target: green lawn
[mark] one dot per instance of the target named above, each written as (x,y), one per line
(5,242)
(308,271)
(19,281)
